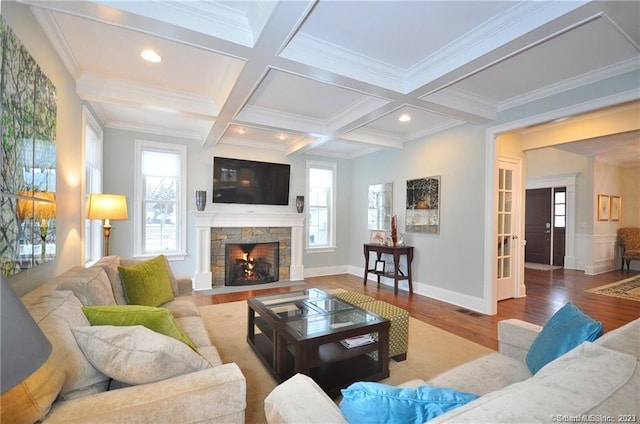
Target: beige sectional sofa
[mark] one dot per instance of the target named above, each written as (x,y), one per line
(595,381)
(69,388)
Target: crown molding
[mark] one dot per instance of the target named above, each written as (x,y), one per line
(464,100)
(522,18)
(433,129)
(354,111)
(154,129)
(210,18)
(52,30)
(318,53)
(616,69)
(276,119)
(99,89)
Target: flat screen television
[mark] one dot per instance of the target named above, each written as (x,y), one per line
(250,182)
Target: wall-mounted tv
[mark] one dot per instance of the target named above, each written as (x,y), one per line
(250,182)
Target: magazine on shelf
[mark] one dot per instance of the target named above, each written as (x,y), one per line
(356,341)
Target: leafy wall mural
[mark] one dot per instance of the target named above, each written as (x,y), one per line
(27,160)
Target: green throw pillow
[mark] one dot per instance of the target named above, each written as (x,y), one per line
(159,320)
(147,283)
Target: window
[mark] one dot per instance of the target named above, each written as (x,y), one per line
(559,207)
(160,206)
(321,180)
(93,233)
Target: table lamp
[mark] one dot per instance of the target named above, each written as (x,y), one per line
(107,207)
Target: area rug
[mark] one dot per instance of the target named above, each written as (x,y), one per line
(431,351)
(237,289)
(628,289)
(540,267)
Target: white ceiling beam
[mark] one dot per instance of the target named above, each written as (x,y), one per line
(285,21)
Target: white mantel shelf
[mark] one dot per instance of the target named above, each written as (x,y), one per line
(207,219)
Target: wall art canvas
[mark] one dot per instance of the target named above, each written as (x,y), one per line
(423,205)
(27,159)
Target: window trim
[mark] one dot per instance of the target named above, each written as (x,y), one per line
(95,227)
(181,232)
(331,246)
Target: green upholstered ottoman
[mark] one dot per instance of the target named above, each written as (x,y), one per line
(354,298)
(399,330)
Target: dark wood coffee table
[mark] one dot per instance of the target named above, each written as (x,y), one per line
(300,332)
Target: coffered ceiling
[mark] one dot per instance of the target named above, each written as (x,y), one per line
(330,77)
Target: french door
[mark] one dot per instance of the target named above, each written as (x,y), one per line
(509,246)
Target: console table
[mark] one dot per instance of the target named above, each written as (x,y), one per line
(396,274)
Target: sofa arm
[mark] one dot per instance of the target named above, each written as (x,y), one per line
(214,395)
(515,337)
(301,400)
(185,286)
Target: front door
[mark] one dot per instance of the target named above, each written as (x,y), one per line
(537,224)
(545,223)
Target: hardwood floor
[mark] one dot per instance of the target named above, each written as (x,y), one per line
(547,291)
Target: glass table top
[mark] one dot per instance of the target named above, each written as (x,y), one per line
(313,312)
(311,325)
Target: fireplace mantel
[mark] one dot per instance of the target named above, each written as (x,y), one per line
(208,219)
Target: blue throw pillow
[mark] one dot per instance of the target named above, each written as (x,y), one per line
(566,329)
(368,403)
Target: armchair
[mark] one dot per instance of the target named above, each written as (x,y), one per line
(629,240)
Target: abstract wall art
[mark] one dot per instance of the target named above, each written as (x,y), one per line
(27,159)
(423,205)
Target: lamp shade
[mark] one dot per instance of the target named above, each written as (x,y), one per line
(107,206)
(23,347)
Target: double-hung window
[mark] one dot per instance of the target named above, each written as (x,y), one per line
(321,182)
(160,199)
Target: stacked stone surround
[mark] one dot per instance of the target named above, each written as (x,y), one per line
(221,236)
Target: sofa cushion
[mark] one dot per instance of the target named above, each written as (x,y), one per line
(110,265)
(90,285)
(135,354)
(483,375)
(182,306)
(159,320)
(366,402)
(566,329)
(55,312)
(588,380)
(147,283)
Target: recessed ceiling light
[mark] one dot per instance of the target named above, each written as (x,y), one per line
(282,136)
(241,130)
(150,56)
(405,117)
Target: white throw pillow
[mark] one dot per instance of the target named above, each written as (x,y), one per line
(135,354)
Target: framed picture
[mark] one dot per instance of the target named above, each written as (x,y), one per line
(615,208)
(379,266)
(603,207)
(423,205)
(378,237)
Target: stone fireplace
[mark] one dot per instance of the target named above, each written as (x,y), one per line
(214,230)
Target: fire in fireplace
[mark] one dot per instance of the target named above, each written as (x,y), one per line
(251,263)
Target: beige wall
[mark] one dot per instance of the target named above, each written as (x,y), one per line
(607,180)
(70,164)
(630,179)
